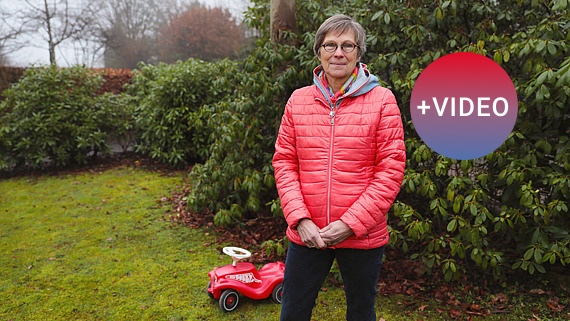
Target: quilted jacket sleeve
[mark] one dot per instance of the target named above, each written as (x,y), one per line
(286,167)
(371,207)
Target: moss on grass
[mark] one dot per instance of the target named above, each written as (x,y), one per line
(95,247)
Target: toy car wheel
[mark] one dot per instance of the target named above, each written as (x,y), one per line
(277,293)
(229,300)
(210,294)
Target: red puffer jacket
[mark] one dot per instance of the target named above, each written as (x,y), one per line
(341,160)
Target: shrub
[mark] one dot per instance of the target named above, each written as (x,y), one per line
(507,210)
(236,182)
(54,117)
(172,107)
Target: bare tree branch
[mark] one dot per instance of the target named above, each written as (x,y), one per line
(123,31)
(56,21)
(9,36)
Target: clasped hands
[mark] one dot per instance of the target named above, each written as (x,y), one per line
(329,235)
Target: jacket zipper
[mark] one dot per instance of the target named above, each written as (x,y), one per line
(333,109)
(333,106)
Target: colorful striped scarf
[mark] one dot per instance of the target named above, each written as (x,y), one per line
(344,89)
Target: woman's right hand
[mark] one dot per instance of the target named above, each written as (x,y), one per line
(309,233)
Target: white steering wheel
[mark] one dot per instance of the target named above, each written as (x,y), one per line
(237,253)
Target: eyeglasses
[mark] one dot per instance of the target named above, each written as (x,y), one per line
(346,47)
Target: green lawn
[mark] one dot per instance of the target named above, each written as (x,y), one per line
(99,246)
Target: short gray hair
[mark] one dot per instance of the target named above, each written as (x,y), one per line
(341,23)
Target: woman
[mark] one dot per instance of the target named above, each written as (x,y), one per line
(339,162)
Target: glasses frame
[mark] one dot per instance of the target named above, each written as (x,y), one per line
(341,47)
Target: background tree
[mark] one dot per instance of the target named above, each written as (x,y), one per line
(201,32)
(123,32)
(9,33)
(57,21)
(283,19)
(129,29)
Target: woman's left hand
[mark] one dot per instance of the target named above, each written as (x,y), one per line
(335,232)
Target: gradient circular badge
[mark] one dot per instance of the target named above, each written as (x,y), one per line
(464,105)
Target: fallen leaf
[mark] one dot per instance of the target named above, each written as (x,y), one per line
(499,298)
(454,313)
(554,304)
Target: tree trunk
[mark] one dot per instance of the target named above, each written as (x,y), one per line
(51,43)
(283,20)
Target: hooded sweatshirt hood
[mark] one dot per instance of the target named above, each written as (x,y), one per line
(364,82)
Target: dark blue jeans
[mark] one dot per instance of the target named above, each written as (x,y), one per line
(307,268)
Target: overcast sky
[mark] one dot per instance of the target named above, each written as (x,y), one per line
(67,54)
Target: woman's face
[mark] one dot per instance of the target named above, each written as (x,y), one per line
(338,65)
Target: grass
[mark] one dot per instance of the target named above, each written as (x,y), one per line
(98,246)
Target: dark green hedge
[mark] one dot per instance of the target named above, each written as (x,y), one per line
(55,117)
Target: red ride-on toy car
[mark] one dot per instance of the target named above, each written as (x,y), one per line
(229,281)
